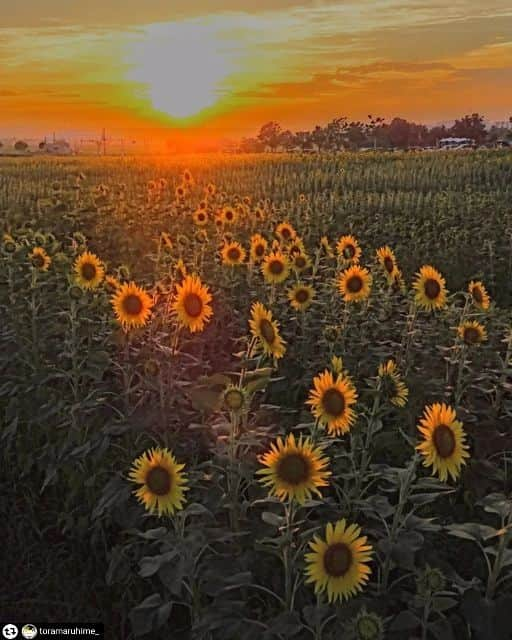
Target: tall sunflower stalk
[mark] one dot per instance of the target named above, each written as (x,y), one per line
(403,497)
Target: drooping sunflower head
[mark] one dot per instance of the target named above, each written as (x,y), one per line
(295,469)
(8,243)
(348,249)
(275,267)
(387,260)
(40,259)
(89,271)
(391,385)
(332,400)
(132,305)
(232,254)
(472,332)
(479,295)
(430,287)
(285,232)
(266,330)
(443,446)
(355,284)
(338,565)
(301,296)
(300,262)
(191,304)
(258,248)
(163,482)
(200,217)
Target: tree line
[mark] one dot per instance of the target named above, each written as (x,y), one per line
(342,133)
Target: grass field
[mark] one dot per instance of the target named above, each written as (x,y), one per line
(303,367)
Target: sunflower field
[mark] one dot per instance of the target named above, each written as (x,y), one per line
(258,397)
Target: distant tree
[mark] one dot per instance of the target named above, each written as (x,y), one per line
(286,139)
(470,127)
(372,128)
(435,134)
(355,135)
(42,145)
(251,145)
(269,134)
(20,145)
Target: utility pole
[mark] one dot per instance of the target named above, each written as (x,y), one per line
(104,141)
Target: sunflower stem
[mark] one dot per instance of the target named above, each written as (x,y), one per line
(287,556)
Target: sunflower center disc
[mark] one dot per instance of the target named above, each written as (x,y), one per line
(193,305)
(286,233)
(300,262)
(432,289)
(333,402)
(158,481)
(38,261)
(267,331)
(260,250)
(233,254)
(471,335)
(444,441)
(132,304)
(302,296)
(293,469)
(349,251)
(388,264)
(88,271)
(276,267)
(354,284)
(337,559)
(477,295)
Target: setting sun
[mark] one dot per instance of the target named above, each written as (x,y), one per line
(182,69)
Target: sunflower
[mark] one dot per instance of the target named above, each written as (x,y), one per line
(89,271)
(331,402)
(430,289)
(234,398)
(258,247)
(40,259)
(472,332)
(275,267)
(112,284)
(355,283)
(260,214)
(200,217)
(180,191)
(162,480)
(443,445)
(391,384)
(285,231)
(326,247)
(348,248)
(192,303)
(211,189)
(187,177)
(232,254)
(295,469)
(300,262)
(266,330)
(387,260)
(479,295)
(132,305)
(339,564)
(228,215)
(301,296)
(166,240)
(302,198)
(297,246)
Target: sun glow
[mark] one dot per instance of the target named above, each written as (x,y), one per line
(182,68)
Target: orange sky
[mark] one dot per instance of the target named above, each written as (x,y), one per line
(221,68)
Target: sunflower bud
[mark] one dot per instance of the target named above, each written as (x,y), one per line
(234,398)
(431,580)
(75,293)
(331,333)
(151,367)
(337,364)
(368,626)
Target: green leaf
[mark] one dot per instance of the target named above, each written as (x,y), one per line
(272,519)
